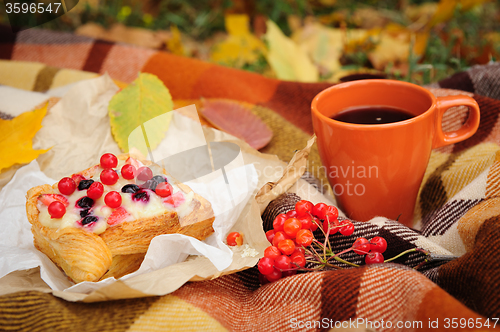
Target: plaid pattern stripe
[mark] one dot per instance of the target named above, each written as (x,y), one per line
(457,210)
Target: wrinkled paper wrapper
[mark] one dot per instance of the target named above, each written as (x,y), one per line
(78,132)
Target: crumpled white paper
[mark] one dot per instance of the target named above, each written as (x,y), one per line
(17,251)
(229,193)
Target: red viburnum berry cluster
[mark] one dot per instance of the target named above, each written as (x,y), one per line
(294,244)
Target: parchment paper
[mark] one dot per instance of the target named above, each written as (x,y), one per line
(165,267)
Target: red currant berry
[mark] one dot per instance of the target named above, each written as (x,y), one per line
(274,276)
(303,208)
(113,199)
(283,262)
(265,265)
(347,228)
(291,227)
(298,259)
(278,237)
(378,244)
(299,249)
(291,214)
(144,173)
(66,186)
(306,222)
(374,257)
(330,225)
(270,236)
(56,210)
(361,246)
(288,273)
(332,211)
(95,190)
(164,189)
(234,239)
(304,237)
(314,223)
(287,247)
(279,221)
(272,252)
(262,279)
(109,160)
(319,210)
(109,176)
(128,171)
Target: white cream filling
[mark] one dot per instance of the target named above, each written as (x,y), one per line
(136,209)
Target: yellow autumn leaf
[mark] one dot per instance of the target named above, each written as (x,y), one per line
(394,43)
(174,44)
(446,9)
(286,58)
(16,137)
(326,45)
(391,48)
(420,42)
(241,46)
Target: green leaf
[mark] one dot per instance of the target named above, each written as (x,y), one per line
(130,110)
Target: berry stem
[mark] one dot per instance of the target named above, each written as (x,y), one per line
(316,254)
(340,253)
(338,259)
(324,243)
(327,237)
(322,230)
(403,253)
(335,266)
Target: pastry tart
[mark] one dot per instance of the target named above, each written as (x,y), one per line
(99,223)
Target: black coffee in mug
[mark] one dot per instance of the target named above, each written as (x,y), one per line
(372,115)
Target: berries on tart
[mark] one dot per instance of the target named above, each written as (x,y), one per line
(109,211)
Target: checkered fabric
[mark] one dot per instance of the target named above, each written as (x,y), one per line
(457,213)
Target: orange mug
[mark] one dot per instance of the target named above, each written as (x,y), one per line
(377,169)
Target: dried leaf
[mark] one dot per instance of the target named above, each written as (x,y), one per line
(393,45)
(144,99)
(241,46)
(421,13)
(420,42)
(174,44)
(325,45)
(287,59)
(369,18)
(237,119)
(390,49)
(294,22)
(444,11)
(180,104)
(16,138)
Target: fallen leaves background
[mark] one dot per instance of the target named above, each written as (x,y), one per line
(305,40)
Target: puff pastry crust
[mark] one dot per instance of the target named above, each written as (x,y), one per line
(120,249)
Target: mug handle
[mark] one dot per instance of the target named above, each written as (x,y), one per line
(467,130)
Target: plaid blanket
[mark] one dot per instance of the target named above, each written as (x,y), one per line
(458,212)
